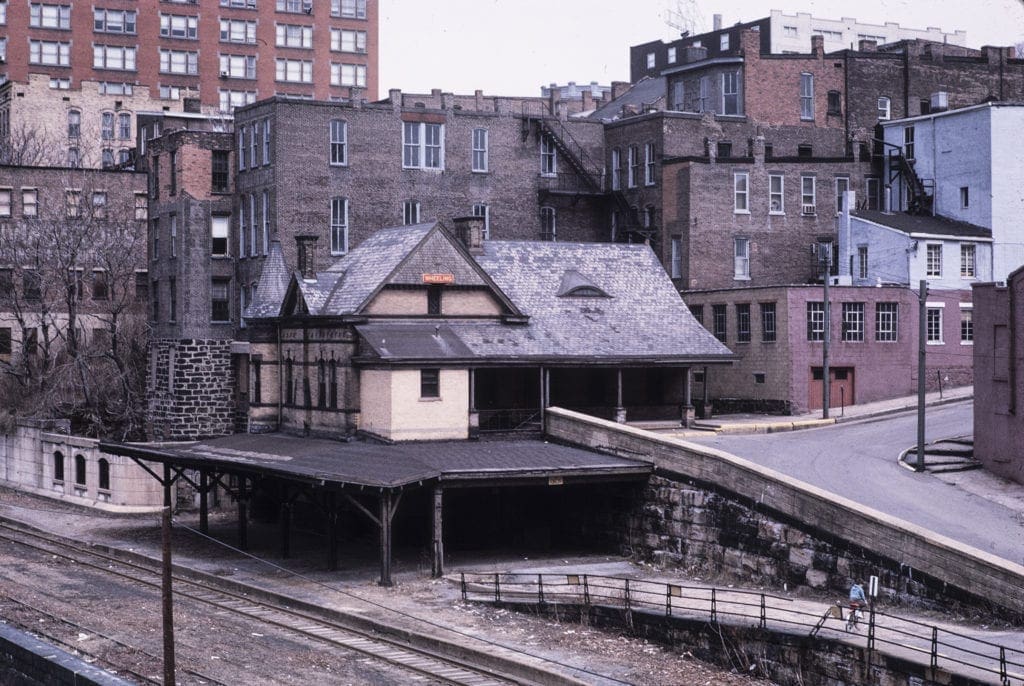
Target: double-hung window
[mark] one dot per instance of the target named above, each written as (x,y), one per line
(240,31)
(776,194)
(292,36)
(842,186)
(179,62)
(339,226)
(933,259)
(293,71)
(768,322)
(350,9)
(182,27)
(649,164)
(339,142)
(718,322)
(238,67)
(731,92)
(411,212)
(616,169)
(933,323)
(741,258)
(633,168)
(348,75)
(220,303)
(853,322)
(808,197)
(113,57)
(743,323)
(967,261)
(966,324)
(50,53)
(741,192)
(345,40)
(480,150)
(806,96)
(219,235)
(482,210)
(49,16)
(548,156)
(422,145)
(114,21)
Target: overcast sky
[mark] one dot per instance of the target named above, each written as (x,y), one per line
(513,47)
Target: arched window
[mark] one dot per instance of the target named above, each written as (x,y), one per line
(80,469)
(334,384)
(58,465)
(74,123)
(104,474)
(124,126)
(107,126)
(547,224)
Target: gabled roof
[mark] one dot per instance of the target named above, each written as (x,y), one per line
(646,91)
(273,285)
(923,224)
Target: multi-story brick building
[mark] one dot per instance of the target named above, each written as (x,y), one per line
(241,51)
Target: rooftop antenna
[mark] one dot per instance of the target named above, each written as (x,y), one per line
(682,16)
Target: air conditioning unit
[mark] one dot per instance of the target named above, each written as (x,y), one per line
(224,74)
(940,101)
(808,209)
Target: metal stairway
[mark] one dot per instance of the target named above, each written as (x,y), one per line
(922,191)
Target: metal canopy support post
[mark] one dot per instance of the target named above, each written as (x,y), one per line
(437,568)
(204,509)
(543,393)
(386,513)
(922,347)
(243,533)
(167,484)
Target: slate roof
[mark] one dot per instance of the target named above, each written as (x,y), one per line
(647,90)
(273,285)
(385,466)
(917,223)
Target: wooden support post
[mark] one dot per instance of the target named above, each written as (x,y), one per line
(243,533)
(204,509)
(385,538)
(167,484)
(437,568)
(166,596)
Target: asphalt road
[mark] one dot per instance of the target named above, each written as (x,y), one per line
(859,460)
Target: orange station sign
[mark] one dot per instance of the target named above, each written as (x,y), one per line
(438,278)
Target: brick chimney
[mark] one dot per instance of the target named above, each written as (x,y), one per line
(619,89)
(818,45)
(306,251)
(470,230)
(864,45)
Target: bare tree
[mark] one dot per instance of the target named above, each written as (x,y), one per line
(71,272)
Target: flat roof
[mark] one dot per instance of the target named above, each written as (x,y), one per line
(388,466)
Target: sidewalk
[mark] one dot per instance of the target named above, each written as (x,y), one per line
(764,423)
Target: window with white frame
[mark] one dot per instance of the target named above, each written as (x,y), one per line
(886,322)
(49,16)
(933,259)
(238,31)
(790,31)
(254,225)
(908,142)
(633,166)
(704,97)
(731,92)
(181,27)
(853,322)
(238,67)
(107,126)
(345,40)
(411,212)
(113,57)
(548,228)
(348,75)
(862,261)
(871,191)
(548,156)
(649,164)
(114,21)
(741,258)
(422,145)
(266,141)
(294,71)
(671,55)
(842,185)
(266,221)
(239,4)
(482,210)
(3,12)
(616,169)
(676,258)
(350,9)
(339,226)
(49,53)
(3,50)
(933,323)
(74,123)
(29,202)
(243,227)
(292,36)
(967,260)
(776,194)
(815,321)
(124,126)
(884,108)
(339,142)
(679,96)
(723,41)
(806,96)
(230,99)
(480,153)
(966,324)
(6,202)
(172,93)
(294,6)
(741,192)
(808,198)
(179,62)
(651,60)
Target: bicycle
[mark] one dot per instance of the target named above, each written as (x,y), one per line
(853,617)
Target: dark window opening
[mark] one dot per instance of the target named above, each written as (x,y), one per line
(718,322)
(104,475)
(58,466)
(804,151)
(257,384)
(430,383)
(758,377)
(334,384)
(219,172)
(321,384)
(434,299)
(835,105)
(80,470)
(724,149)
(220,310)
(289,382)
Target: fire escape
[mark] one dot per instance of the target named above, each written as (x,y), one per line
(586,178)
(920,192)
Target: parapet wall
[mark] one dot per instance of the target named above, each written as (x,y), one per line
(765,525)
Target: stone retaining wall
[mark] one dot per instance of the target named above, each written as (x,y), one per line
(25,659)
(709,510)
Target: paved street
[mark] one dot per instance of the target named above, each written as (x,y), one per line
(859,461)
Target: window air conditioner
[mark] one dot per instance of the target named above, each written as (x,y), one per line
(807,209)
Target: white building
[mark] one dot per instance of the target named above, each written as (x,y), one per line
(792,33)
(970,162)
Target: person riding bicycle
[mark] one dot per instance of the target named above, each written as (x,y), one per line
(857,597)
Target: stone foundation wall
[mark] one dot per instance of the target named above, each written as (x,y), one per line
(190,389)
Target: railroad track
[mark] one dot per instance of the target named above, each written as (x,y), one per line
(463,664)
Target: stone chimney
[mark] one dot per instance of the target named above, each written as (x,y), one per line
(588,100)
(864,45)
(470,230)
(305,246)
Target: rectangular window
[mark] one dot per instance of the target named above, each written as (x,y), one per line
(676,259)
(348,75)
(679,96)
(350,9)
(776,194)
(718,322)
(29,202)
(806,96)
(651,60)
(908,142)
(5,341)
(219,235)
(266,221)
(266,141)
(99,205)
(815,321)
(862,261)
(242,226)
(219,171)
(179,62)
(114,21)
(741,188)
(842,185)
(723,41)
(344,40)
(230,99)
(182,27)
(808,198)
(886,322)
(293,6)
(423,146)
(633,168)
(548,156)
(743,323)
(548,225)
(741,258)
(292,36)
(49,53)
(430,383)
(339,142)
(768,322)
(482,210)
(172,304)
(965,197)
(967,261)
(871,186)
(731,92)
(884,110)
(6,202)
(698,313)
(966,325)
(933,259)
(411,212)
(254,226)
(73,204)
(616,169)
(238,67)
(835,103)
(238,31)
(853,322)
(339,226)
(480,150)
(49,16)
(113,57)
(704,97)
(220,303)
(671,55)
(649,164)
(293,71)
(933,325)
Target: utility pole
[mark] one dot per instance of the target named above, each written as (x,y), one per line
(922,342)
(168,610)
(825,257)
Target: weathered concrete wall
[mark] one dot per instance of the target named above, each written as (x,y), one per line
(25,659)
(759,524)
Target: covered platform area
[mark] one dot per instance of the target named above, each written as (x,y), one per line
(340,481)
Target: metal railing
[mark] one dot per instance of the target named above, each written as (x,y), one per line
(509,420)
(941,646)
